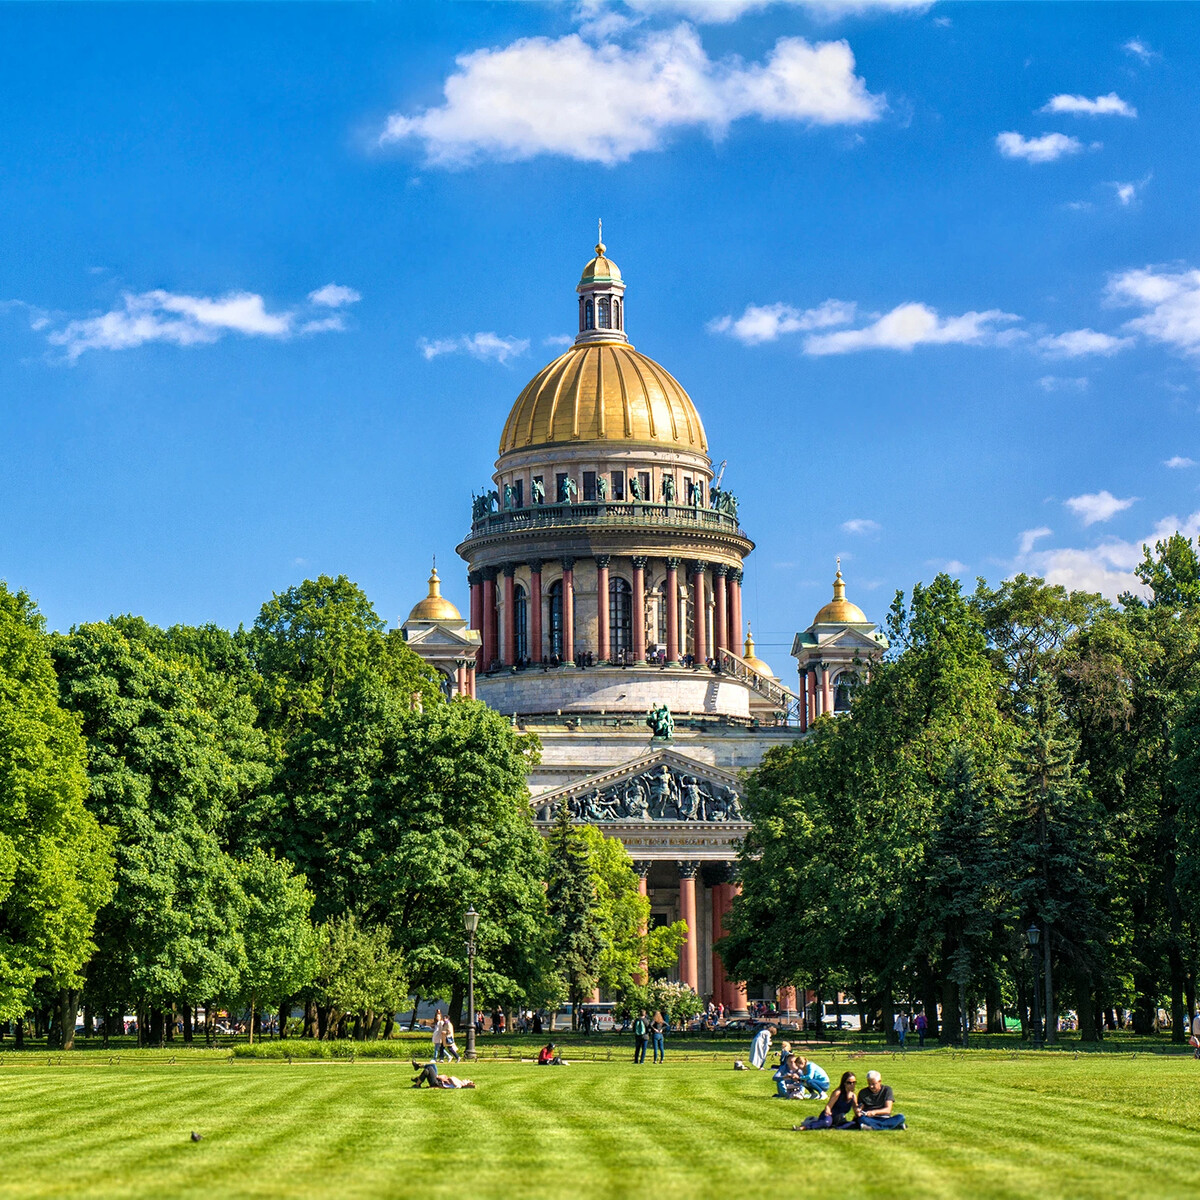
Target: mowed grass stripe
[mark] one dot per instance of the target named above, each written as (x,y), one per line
(981,1126)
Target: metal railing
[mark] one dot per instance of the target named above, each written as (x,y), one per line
(620,512)
(785,700)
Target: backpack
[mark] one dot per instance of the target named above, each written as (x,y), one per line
(639,1028)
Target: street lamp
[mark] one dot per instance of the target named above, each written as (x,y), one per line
(470,924)
(1034,935)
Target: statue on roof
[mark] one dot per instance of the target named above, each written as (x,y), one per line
(662,725)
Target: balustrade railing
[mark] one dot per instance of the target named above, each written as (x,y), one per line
(785,700)
(620,512)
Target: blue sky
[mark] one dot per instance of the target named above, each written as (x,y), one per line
(272,275)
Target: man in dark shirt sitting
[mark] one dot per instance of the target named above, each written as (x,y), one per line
(875,1103)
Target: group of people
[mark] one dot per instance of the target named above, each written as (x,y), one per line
(651,1029)
(799,1078)
(918,1023)
(443,1039)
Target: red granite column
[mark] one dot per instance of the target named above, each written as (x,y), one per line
(489,618)
(476,582)
(720,983)
(643,871)
(602,647)
(639,608)
(699,614)
(803,700)
(460,679)
(720,614)
(813,714)
(535,610)
(737,631)
(471,681)
(737,989)
(689,963)
(672,594)
(568,611)
(786,999)
(509,655)
(826,690)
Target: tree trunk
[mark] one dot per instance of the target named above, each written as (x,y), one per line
(324,1012)
(310,1029)
(992,1002)
(187,1024)
(1051,1011)
(343,1026)
(412,1024)
(67,1004)
(376,1026)
(285,1013)
(1144,1008)
(1086,1007)
(1179,1019)
(389,1026)
(169,1024)
(89,1028)
(19,1033)
(456,1005)
(949,1005)
(963,1016)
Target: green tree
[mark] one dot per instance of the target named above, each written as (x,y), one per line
(578,943)
(56,862)
(360,975)
(281,943)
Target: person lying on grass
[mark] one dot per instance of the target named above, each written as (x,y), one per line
(429,1074)
(548,1056)
(875,1104)
(840,1112)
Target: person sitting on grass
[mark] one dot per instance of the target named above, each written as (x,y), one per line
(875,1104)
(812,1081)
(787,1073)
(548,1056)
(840,1112)
(428,1074)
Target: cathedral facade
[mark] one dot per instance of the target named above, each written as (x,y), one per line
(605,571)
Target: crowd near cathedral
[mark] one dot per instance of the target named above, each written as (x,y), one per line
(605,570)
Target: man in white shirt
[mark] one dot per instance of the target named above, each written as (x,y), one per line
(901,1027)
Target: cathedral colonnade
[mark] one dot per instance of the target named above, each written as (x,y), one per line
(548,610)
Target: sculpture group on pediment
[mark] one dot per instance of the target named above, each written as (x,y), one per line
(660,794)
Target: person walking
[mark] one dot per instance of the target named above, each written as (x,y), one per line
(639,1037)
(658,1027)
(451,1050)
(921,1024)
(1196,1035)
(439,1036)
(900,1025)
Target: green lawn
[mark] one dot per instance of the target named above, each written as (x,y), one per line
(981,1124)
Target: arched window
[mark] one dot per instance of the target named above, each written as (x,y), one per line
(580,314)
(620,615)
(604,313)
(588,319)
(843,689)
(556,618)
(521,623)
(617,314)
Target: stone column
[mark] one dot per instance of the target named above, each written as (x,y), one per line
(603,650)
(534,609)
(720,615)
(471,681)
(643,871)
(689,967)
(826,706)
(568,611)
(671,591)
(720,985)
(829,690)
(811,676)
(785,997)
(699,614)
(737,631)
(460,678)
(489,617)
(737,989)
(639,608)
(476,581)
(509,653)
(803,700)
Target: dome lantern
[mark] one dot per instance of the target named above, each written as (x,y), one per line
(839,610)
(601,299)
(435,606)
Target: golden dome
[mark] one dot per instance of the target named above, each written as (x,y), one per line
(435,606)
(600,269)
(752,660)
(839,611)
(603,392)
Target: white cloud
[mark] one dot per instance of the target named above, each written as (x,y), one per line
(1126,192)
(1139,49)
(910,325)
(1059,383)
(160,316)
(1042,149)
(1171,301)
(1077,342)
(488,347)
(1031,536)
(767,322)
(558,339)
(334,295)
(1177,462)
(1097,506)
(1103,106)
(604,103)
(861,525)
(722,12)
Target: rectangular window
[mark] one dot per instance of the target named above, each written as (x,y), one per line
(687,489)
(560,487)
(644,481)
(519,493)
(618,485)
(589,485)
(538,490)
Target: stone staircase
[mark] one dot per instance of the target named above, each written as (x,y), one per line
(781,698)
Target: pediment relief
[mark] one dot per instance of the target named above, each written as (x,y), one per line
(661,785)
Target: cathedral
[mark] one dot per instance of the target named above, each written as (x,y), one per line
(605,572)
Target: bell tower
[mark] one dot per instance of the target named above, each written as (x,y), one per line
(601,299)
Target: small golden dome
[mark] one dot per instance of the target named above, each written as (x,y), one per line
(435,606)
(600,269)
(839,611)
(752,660)
(603,392)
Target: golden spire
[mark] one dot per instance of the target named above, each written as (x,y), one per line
(839,585)
(749,650)
(435,606)
(600,247)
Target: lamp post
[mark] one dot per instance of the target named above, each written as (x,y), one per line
(470,924)
(1034,934)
